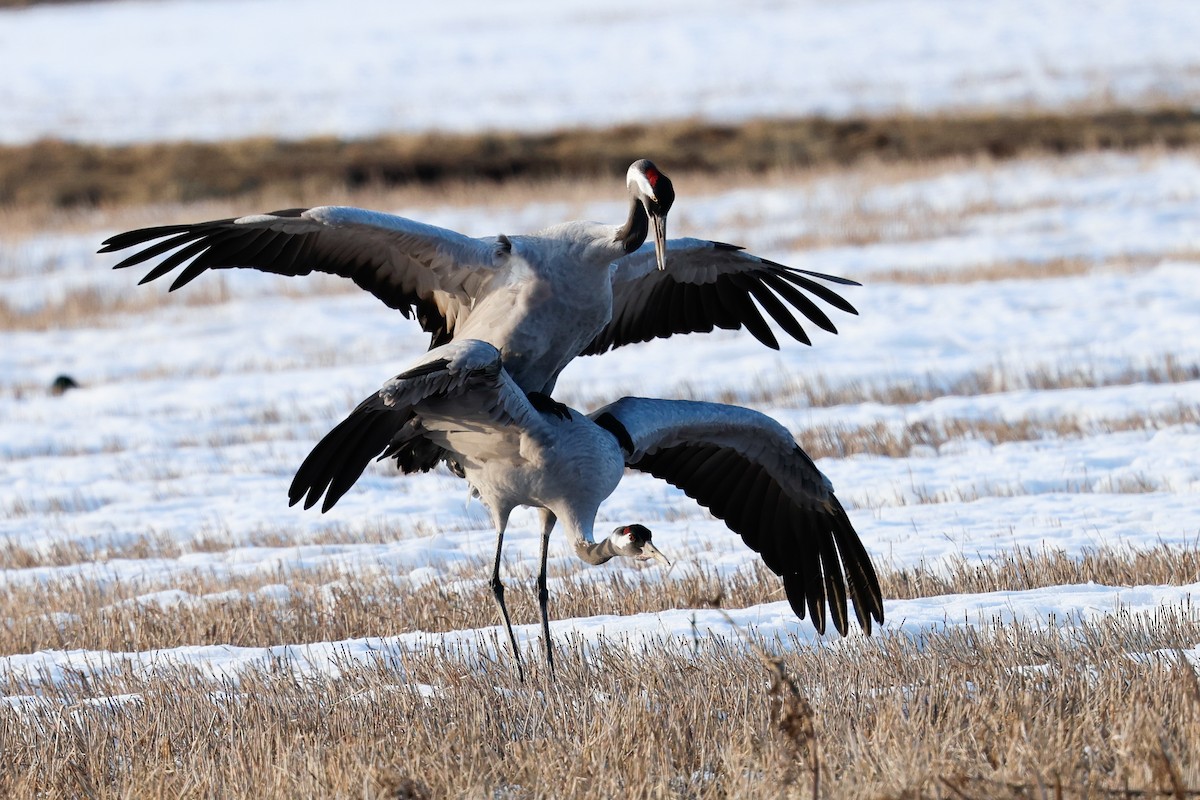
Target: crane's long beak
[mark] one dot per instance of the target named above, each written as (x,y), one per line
(649,551)
(660,239)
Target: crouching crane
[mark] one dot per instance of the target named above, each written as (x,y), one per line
(742,465)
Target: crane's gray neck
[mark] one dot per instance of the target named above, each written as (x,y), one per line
(633,233)
(595,553)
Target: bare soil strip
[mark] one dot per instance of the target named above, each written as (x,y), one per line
(59,174)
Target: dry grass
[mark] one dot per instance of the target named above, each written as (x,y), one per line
(51,174)
(901,441)
(94,308)
(1027,270)
(1028,569)
(1012,712)
(336,604)
(158,544)
(798,390)
(31,3)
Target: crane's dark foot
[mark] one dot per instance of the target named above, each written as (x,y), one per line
(498,593)
(545,404)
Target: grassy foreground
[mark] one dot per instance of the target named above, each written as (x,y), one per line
(991,710)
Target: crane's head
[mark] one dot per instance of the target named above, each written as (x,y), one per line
(654,191)
(633,541)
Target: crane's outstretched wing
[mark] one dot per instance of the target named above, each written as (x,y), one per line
(748,470)
(419,269)
(710,285)
(463,380)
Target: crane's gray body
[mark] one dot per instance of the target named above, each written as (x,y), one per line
(546,299)
(461,398)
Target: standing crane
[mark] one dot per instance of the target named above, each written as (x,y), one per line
(577,288)
(742,465)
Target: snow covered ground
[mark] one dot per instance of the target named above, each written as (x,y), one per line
(212,69)
(193,418)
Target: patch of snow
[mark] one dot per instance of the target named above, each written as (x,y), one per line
(215,69)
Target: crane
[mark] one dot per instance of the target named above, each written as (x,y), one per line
(742,465)
(577,288)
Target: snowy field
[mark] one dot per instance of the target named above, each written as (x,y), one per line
(214,69)
(1028,332)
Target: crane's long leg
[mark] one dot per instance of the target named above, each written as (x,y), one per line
(498,593)
(543,593)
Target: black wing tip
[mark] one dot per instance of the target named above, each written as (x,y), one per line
(842,577)
(122,241)
(823,609)
(838,279)
(824,276)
